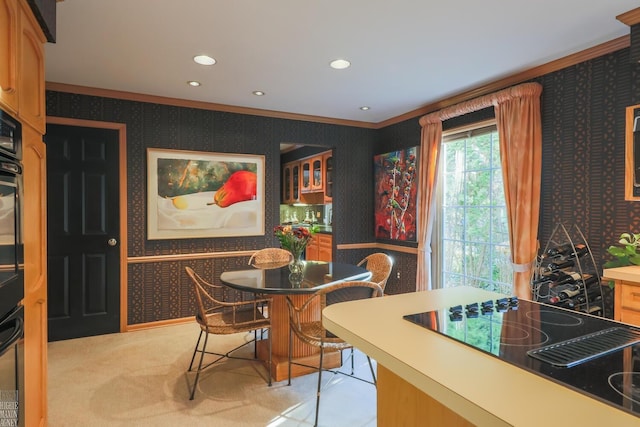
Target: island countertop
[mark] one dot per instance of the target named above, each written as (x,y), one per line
(479,387)
(630,273)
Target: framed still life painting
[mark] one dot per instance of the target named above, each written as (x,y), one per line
(192,194)
(396,193)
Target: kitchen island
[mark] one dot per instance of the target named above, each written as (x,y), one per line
(427,379)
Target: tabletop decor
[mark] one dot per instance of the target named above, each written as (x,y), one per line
(295,240)
(194,194)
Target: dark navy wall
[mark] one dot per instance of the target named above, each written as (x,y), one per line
(159,291)
(583,123)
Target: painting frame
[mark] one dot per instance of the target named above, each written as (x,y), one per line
(183,200)
(396,195)
(632,153)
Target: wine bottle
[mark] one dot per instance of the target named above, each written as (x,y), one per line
(588,280)
(559,250)
(596,310)
(592,293)
(566,294)
(560,277)
(568,303)
(580,250)
(559,265)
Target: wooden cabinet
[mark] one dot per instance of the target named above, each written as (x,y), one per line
(9,19)
(291,183)
(22,93)
(317,174)
(320,248)
(22,89)
(305,175)
(35,277)
(309,180)
(325,243)
(312,250)
(31,105)
(327,161)
(627,302)
(312,175)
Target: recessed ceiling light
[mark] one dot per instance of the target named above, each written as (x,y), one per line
(364,108)
(193,83)
(258,93)
(204,60)
(340,64)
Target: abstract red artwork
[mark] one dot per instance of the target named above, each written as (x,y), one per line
(396,192)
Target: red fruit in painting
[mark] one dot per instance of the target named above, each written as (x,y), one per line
(241,186)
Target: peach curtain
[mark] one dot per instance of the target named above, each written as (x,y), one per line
(520,132)
(428,172)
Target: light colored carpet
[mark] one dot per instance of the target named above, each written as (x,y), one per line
(140,379)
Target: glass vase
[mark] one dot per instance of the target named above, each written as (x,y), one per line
(296,266)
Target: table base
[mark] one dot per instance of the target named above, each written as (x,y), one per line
(280,364)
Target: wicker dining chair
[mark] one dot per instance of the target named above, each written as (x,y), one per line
(380,265)
(270,258)
(219,317)
(314,334)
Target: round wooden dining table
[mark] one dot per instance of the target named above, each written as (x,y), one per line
(276,281)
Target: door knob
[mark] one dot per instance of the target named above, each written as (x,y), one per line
(112,242)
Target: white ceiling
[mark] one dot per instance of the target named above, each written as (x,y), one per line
(405,54)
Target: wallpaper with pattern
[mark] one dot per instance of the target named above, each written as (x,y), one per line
(583,114)
(583,143)
(159,291)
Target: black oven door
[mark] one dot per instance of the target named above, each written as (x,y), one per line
(11,252)
(12,368)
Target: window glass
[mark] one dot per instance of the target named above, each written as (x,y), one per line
(471,244)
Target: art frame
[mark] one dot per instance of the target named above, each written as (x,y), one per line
(196,194)
(632,153)
(396,195)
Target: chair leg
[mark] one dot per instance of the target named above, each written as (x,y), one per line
(290,347)
(319,385)
(353,369)
(255,343)
(195,382)
(195,350)
(270,357)
(373,374)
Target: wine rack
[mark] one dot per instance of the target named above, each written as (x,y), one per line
(565,274)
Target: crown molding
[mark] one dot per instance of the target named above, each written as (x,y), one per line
(630,18)
(532,73)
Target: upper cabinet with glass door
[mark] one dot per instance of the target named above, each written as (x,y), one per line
(317,176)
(305,176)
(312,174)
(327,160)
(291,182)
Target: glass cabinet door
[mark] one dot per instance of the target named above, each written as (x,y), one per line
(295,182)
(306,175)
(286,184)
(317,173)
(328,177)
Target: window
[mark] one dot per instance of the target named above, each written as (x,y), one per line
(471,246)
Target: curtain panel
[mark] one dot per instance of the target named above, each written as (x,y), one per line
(520,133)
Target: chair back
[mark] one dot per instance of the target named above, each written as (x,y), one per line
(331,294)
(380,265)
(270,258)
(205,296)
(237,314)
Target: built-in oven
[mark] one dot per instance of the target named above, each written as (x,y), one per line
(11,275)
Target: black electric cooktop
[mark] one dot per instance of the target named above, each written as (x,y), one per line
(592,355)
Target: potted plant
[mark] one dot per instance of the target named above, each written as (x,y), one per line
(626,252)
